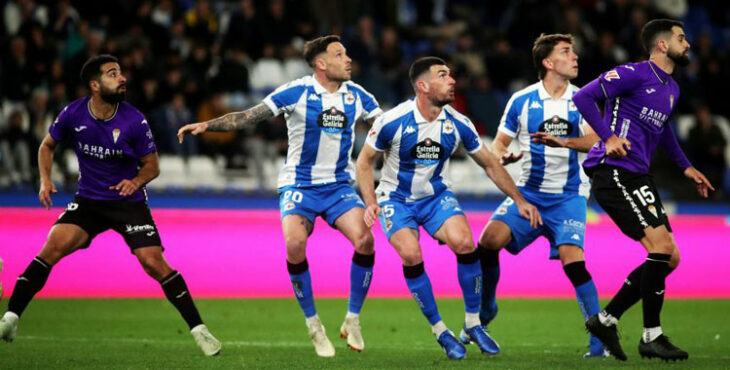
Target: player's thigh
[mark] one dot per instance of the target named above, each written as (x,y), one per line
(434,212)
(395,215)
(352,226)
(62,240)
(506,219)
(456,233)
(153,262)
(338,199)
(405,242)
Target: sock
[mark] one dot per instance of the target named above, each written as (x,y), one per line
(361,274)
(311,319)
(587,295)
(438,328)
(652,287)
(629,293)
(302,284)
(178,294)
(470,280)
(28,284)
(489,260)
(607,319)
(651,333)
(420,287)
(471,320)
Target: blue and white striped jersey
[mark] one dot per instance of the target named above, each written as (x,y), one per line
(416,151)
(546,169)
(320,129)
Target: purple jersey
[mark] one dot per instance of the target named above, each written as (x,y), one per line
(108,151)
(638,100)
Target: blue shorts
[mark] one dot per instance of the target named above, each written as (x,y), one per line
(430,212)
(329,201)
(563,217)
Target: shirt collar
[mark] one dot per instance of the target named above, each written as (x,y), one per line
(319,89)
(659,73)
(419,118)
(544,95)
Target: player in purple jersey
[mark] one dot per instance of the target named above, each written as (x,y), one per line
(320,111)
(637,100)
(117,157)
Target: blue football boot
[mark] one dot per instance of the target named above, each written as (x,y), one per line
(478,335)
(454,350)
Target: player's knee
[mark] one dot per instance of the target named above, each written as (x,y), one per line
(51,252)
(663,244)
(296,244)
(491,241)
(364,243)
(411,257)
(155,266)
(463,244)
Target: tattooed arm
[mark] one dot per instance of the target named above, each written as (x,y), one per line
(229,122)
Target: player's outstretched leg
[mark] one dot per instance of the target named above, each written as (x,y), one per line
(361,273)
(28,284)
(470,277)
(587,296)
(422,292)
(302,283)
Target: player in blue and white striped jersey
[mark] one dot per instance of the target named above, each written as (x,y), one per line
(418,137)
(553,139)
(321,111)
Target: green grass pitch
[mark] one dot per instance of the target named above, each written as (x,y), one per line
(270,333)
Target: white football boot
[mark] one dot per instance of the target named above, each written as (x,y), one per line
(351,331)
(205,340)
(322,344)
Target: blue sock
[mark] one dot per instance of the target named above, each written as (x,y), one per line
(420,287)
(489,260)
(361,274)
(302,284)
(587,296)
(470,280)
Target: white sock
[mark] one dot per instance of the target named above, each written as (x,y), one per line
(472,320)
(651,333)
(10,317)
(607,319)
(310,320)
(438,328)
(351,315)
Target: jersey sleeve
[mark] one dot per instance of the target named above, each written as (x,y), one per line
(469,136)
(60,126)
(284,98)
(380,136)
(510,122)
(370,105)
(619,81)
(144,142)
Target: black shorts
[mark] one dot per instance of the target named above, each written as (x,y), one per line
(132,220)
(631,199)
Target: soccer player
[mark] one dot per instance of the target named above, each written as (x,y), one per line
(418,137)
(117,157)
(321,111)
(637,100)
(551,177)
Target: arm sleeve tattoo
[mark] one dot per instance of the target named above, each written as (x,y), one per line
(238,120)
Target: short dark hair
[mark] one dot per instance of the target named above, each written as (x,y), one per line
(542,48)
(92,68)
(421,66)
(312,48)
(653,28)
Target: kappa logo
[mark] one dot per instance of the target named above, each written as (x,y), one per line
(650,91)
(611,75)
(80,128)
(409,130)
(313,97)
(575,237)
(535,105)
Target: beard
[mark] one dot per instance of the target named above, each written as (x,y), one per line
(111,96)
(679,59)
(441,101)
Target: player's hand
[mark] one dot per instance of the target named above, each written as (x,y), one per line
(617,147)
(510,157)
(125,187)
(193,128)
(701,182)
(530,212)
(547,139)
(44,195)
(371,214)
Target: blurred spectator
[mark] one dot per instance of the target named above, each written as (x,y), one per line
(200,22)
(485,106)
(15,81)
(267,73)
(707,144)
(15,147)
(177,115)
